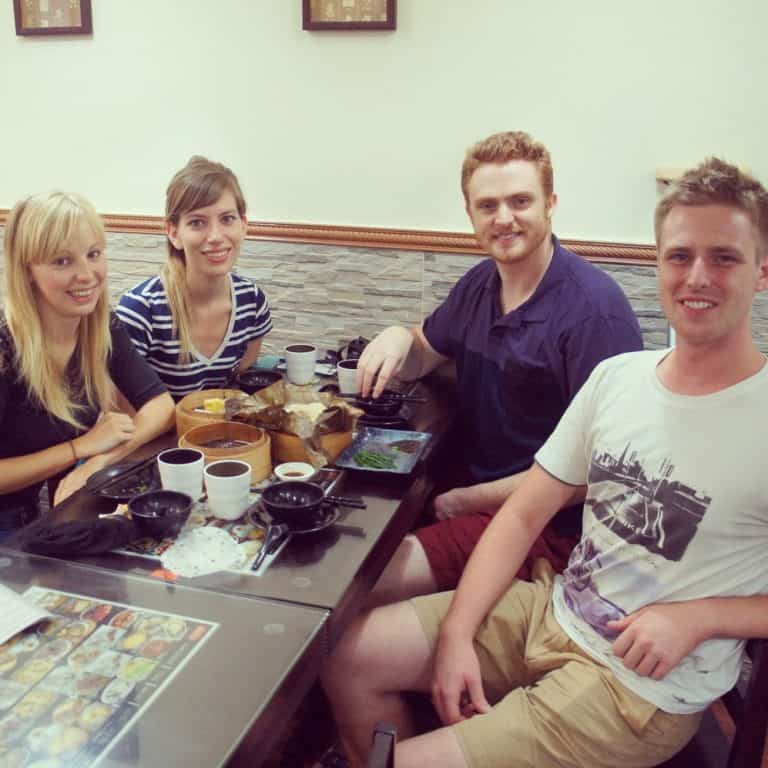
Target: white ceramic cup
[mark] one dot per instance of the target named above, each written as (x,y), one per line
(181,469)
(300,362)
(294,470)
(346,372)
(228,484)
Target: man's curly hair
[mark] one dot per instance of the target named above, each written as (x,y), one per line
(716,182)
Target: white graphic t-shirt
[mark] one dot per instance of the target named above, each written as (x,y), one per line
(676,509)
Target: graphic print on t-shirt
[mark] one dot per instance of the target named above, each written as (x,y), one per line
(652,511)
(581,593)
(642,508)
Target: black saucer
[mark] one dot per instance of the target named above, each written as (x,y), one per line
(258,517)
(391,422)
(121,482)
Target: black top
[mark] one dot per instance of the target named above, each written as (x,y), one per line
(26,427)
(517,372)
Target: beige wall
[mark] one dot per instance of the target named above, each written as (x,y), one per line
(369,128)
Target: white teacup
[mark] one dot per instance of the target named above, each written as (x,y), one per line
(300,362)
(181,469)
(294,470)
(346,372)
(228,483)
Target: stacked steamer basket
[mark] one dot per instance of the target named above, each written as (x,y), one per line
(232,440)
(220,439)
(190,409)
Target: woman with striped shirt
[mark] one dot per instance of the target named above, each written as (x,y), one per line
(197,322)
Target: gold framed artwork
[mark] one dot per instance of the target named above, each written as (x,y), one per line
(53,17)
(349,14)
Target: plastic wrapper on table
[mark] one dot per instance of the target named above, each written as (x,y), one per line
(295,435)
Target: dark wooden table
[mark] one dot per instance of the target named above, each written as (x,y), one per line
(334,569)
(318,583)
(228,700)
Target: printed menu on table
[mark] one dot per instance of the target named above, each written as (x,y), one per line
(73,684)
(16,613)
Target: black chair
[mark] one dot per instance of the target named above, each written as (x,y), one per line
(382,754)
(746,705)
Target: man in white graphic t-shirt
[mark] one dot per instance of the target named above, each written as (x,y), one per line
(612,663)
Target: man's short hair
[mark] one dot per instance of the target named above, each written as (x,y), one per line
(716,182)
(503,148)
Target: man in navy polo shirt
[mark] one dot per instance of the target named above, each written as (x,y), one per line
(525,328)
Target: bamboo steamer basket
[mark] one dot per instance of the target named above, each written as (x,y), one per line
(187,417)
(287,447)
(256,453)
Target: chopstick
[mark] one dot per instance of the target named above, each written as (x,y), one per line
(387,398)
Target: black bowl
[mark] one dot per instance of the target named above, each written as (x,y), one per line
(384,405)
(294,502)
(160,514)
(251,381)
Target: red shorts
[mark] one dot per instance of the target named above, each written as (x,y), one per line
(449,543)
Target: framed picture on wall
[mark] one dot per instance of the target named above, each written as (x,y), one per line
(349,14)
(53,17)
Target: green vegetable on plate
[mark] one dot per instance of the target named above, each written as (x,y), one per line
(373,460)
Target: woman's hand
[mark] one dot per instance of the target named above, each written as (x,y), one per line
(457,688)
(75,480)
(112,429)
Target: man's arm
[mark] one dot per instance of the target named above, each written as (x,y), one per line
(484,497)
(488,574)
(656,638)
(396,351)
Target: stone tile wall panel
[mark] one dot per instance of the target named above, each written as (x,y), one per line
(330,294)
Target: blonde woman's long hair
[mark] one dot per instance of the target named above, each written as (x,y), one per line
(198,184)
(37,229)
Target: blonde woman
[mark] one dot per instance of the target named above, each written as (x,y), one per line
(61,354)
(198,322)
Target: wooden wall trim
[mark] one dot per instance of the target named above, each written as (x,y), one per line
(397,239)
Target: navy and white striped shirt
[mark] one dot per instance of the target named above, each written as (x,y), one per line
(146,316)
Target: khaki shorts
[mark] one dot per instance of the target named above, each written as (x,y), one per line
(553,706)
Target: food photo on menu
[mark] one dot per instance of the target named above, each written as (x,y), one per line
(73,683)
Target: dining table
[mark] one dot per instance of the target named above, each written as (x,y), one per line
(335,568)
(323,578)
(130,672)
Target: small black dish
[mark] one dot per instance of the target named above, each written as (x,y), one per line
(383,405)
(259,517)
(253,380)
(294,502)
(160,514)
(301,504)
(105,475)
(389,422)
(121,482)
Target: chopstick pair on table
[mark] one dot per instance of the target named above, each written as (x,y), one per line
(388,397)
